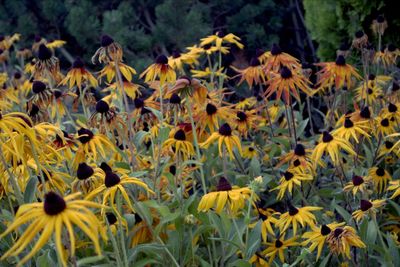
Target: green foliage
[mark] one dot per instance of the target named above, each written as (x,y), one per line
(144,28)
(332,22)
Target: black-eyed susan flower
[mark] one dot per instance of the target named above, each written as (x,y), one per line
(113,184)
(131,89)
(287,82)
(352,130)
(358,184)
(58,107)
(385,126)
(159,69)
(233,198)
(275,59)
(278,247)
(109,51)
(341,239)
(245,121)
(337,73)
(53,180)
(368,208)
(219,38)
(269,218)
(78,75)
(253,74)
(318,236)
(380,177)
(332,145)
(177,60)
(379,25)
(360,40)
(91,145)
(49,217)
(109,71)
(179,144)
(250,152)
(209,116)
(246,103)
(296,216)
(47,66)
(298,157)
(289,180)
(225,137)
(42,95)
(88,178)
(208,72)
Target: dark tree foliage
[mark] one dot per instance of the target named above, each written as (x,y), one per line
(146,28)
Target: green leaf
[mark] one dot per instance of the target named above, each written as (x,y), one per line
(344,213)
(240,263)
(372,232)
(30,190)
(89,260)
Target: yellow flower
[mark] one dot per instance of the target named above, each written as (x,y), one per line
(367,208)
(161,70)
(224,137)
(109,71)
(250,152)
(341,239)
(109,51)
(50,216)
(318,236)
(287,82)
(336,73)
(252,74)
(380,178)
(332,146)
(219,38)
(385,126)
(47,66)
(207,72)
(88,178)
(278,246)
(78,74)
(268,219)
(232,197)
(179,144)
(289,180)
(275,59)
(352,129)
(113,184)
(295,216)
(358,184)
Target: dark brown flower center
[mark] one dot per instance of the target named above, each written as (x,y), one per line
(84,171)
(106,40)
(111,179)
(338,231)
(392,108)
(340,61)
(38,87)
(162,59)
(180,135)
(44,52)
(326,137)
(365,113)
(78,63)
(175,99)
(325,230)
(296,163)
(385,122)
(380,19)
(388,144)
(299,150)
(278,243)
(172,169)
(241,116)
(85,135)
(102,106)
(288,175)
(357,180)
(285,72)
(223,185)
(371,77)
(54,204)
(292,210)
(359,34)
(225,130)
(365,205)
(211,109)
(370,91)
(348,123)
(105,167)
(380,172)
(111,218)
(275,50)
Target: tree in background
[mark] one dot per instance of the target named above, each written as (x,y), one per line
(333,22)
(144,28)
